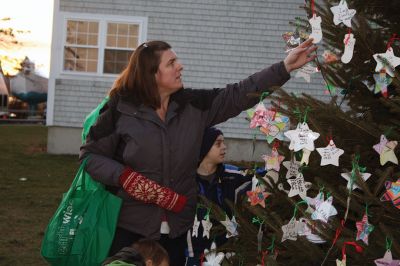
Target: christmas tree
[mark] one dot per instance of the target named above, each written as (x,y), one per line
(335,200)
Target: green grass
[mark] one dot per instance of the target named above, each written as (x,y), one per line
(26,206)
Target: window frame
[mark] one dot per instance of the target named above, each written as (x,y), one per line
(103,21)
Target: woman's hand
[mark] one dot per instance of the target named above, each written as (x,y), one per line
(300,56)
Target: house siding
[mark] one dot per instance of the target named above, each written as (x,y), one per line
(218,42)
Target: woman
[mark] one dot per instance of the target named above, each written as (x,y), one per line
(146,143)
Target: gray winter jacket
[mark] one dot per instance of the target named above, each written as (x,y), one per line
(166,152)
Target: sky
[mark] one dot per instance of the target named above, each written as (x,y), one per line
(36,17)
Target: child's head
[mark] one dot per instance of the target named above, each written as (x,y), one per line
(152,252)
(213,148)
(144,252)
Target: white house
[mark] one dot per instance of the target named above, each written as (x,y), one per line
(218,41)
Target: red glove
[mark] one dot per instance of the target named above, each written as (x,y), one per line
(143,189)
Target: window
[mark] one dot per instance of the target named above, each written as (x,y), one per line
(100,46)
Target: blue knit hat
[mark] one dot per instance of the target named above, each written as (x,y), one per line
(209,137)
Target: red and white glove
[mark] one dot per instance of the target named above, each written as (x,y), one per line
(146,190)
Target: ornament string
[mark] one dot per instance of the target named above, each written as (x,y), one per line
(296,207)
(271,247)
(348,37)
(313,8)
(337,234)
(359,249)
(391,40)
(389,243)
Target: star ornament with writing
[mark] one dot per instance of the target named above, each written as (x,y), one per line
(330,154)
(387,260)
(324,210)
(213,258)
(290,230)
(292,168)
(342,14)
(364,229)
(273,161)
(301,137)
(387,62)
(231,226)
(257,196)
(298,186)
(347,176)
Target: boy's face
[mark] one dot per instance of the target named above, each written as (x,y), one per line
(217,152)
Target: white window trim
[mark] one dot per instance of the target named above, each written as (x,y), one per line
(103,20)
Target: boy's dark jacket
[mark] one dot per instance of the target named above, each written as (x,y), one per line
(229,184)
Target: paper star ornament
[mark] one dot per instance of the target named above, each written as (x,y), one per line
(273,161)
(213,258)
(276,125)
(301,137)
(330,154)
(196,225)
(292,168)
(207,225)
(290,230)
(324,210)
(257,196)
(342,14)
(392,193)
(364,229)
(381,84)
(385,149)
(387,260)
(388,61)
(347,176)
(259,116)
(231,226)
(388,154)
(306,71)
(298,186)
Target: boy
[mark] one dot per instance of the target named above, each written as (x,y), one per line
(217,182)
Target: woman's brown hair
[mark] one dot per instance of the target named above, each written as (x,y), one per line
(137,81)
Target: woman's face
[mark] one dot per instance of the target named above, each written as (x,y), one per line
(169,74)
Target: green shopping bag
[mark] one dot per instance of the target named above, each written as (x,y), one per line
(82,229)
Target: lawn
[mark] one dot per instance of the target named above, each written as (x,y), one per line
(31,186)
